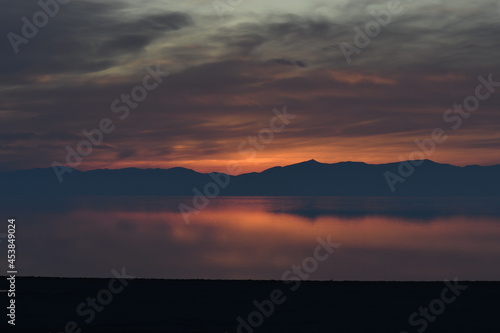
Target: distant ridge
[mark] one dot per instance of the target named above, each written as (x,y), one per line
(309,178)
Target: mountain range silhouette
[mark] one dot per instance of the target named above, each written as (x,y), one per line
(310,178)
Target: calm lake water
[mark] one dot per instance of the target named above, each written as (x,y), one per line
(257,237)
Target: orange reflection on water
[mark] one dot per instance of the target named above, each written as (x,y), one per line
(260,238)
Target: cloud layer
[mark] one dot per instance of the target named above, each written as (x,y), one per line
(227,75)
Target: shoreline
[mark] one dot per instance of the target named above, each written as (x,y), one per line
(154,305)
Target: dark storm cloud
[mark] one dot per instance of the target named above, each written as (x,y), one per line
(126,154)
(17,136)
(288,62)
(84,37)
(128,43)
(242,39)
(52,136)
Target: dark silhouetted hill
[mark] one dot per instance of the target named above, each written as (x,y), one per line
(309,178)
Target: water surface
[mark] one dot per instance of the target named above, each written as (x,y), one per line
(257,237)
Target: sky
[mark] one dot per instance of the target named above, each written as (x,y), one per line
(232,66)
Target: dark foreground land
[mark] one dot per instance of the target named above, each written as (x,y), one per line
(51,304)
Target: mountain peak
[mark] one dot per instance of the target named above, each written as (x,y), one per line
(311,162)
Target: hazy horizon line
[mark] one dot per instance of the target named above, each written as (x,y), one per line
(242,173)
